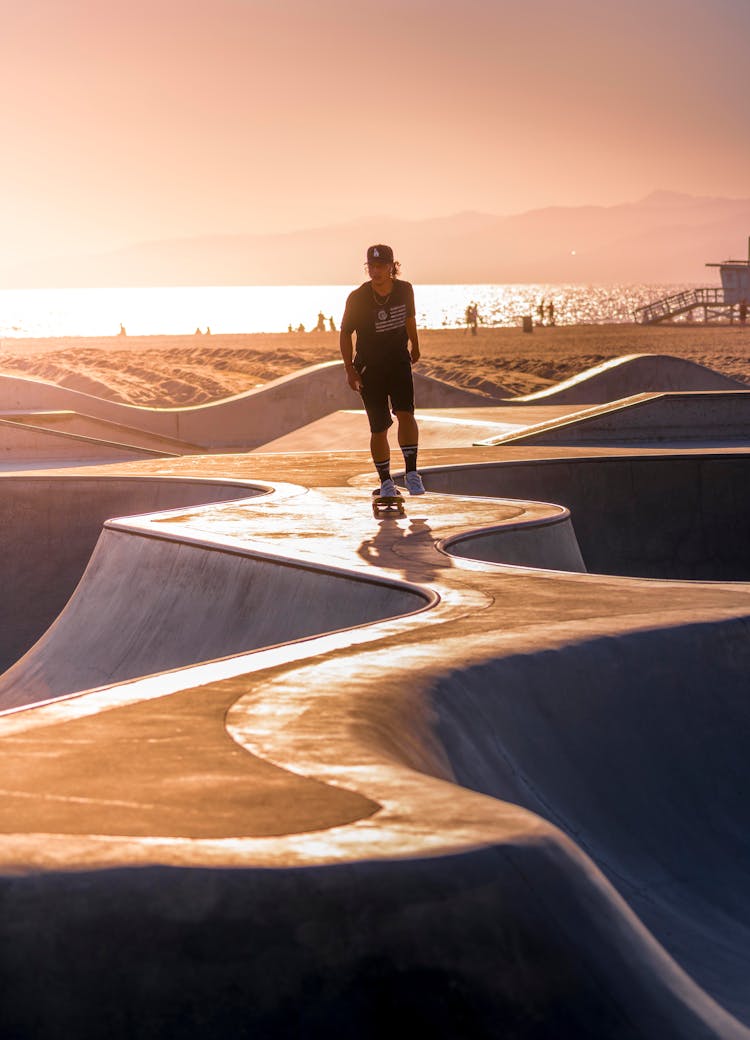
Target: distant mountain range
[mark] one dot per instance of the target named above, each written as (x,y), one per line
(665,237)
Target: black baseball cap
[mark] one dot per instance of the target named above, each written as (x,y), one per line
(380,254)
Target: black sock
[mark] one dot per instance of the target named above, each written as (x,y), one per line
(410,456)
(384,469)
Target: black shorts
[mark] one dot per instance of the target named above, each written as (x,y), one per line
(381,383)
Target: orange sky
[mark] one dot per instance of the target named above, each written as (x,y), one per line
(149,119)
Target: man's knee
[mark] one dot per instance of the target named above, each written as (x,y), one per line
(404,414)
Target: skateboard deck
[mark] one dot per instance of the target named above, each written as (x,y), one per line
(387,505)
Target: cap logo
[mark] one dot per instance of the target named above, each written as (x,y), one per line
(375,252)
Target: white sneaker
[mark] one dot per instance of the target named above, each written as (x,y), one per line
(414,483)
(388,489)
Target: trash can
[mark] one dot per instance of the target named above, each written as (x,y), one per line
(528,323)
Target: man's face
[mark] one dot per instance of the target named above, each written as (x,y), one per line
(379,271)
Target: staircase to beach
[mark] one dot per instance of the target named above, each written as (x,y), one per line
(711,300)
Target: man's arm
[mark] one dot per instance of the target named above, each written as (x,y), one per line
(347,353)
(411,330)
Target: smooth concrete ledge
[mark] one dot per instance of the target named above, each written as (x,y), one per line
(712,417)
(100,430)
(24,441)
(632,374)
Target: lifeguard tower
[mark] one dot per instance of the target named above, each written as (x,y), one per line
(718,304)
(735,279)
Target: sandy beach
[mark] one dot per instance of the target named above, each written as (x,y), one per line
(160,371)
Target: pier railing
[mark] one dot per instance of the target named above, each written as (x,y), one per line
(679,303)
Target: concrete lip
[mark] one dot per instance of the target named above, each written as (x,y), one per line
(70,422)
(712,417)
(632,374)
(674,515)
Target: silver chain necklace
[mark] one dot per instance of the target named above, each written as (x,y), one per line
(381,300)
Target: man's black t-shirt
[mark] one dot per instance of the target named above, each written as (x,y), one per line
(381,327)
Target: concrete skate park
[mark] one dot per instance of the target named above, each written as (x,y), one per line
(273,767)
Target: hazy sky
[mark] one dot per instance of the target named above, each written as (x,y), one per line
(146,119)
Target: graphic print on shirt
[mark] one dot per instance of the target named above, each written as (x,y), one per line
(385,322)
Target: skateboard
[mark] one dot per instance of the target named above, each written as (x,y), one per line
(387,505)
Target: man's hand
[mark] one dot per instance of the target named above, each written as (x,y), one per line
(346,347)
(411,332)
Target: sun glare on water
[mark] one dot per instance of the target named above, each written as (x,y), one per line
(276,308)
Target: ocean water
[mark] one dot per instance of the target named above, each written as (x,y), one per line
(273,308)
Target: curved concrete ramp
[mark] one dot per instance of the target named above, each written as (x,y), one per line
(653,516)
(147,604)
(631,757)
(50,525)
(632,374)
(244,421)
(548,916)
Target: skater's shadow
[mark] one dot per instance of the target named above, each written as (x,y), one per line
(405,545)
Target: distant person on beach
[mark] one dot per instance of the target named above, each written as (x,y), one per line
(540,311)
(321,326)
(122,331)
(300,327)
(197,332)
(332,324)
(551,313)
(208,330)
(743,312)
(381,313)
(472,317)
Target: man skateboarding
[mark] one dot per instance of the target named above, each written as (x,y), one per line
(381,313)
